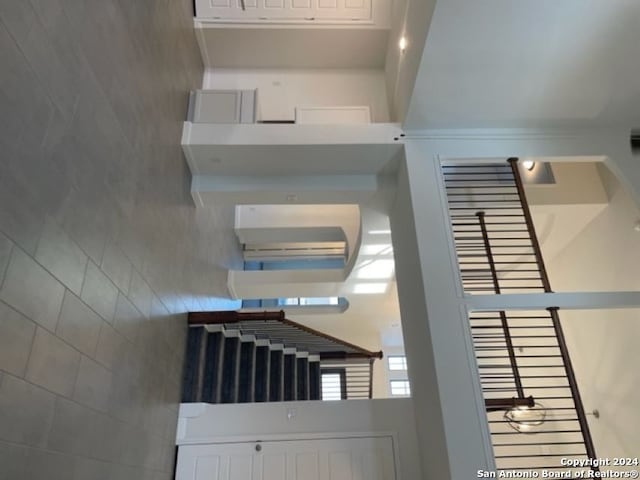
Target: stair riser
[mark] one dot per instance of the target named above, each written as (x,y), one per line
(224,367)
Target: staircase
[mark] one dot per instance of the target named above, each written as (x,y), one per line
(237,357)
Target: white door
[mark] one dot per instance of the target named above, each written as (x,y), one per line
(275,10)
(368,458)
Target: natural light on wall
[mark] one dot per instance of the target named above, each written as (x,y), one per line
(370,288)
(377,269)
(377,249)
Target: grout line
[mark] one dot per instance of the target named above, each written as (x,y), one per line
(3,273)
(84,277)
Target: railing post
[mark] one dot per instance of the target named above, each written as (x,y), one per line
(562,345)
(573,385)
(371,360)
(503,317)
(530,225)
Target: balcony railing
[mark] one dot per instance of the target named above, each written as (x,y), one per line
(534,407)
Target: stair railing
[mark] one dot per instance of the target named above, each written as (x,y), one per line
(525,370)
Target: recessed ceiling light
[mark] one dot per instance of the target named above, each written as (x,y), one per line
(529,164)
(370,288)
(402,44)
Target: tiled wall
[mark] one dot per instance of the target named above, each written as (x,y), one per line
(101,248)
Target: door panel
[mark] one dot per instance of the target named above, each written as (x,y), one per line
(307,466)
(275,10)
(208,467)
(369,458)
(272,465)
(340,466)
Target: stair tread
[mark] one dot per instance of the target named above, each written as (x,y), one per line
(314,380)
(289,377)
(228,390)
(261,381)
(213,359)
(275,376)
(302,379)
(245,375)
(192,365)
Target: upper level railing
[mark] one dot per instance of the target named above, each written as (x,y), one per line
(534,407)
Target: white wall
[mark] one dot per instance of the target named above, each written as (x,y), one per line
(346,217)
(362,324)
(563,209)
(499,63)
(281,90)
(605,256)
(254,421)
(368,314)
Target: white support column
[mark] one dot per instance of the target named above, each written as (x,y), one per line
(450,410)
(452,428)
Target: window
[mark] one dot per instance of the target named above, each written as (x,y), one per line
(308,301)
(289,301)
(398,362)
(334,384)
(319,301)
(400,388)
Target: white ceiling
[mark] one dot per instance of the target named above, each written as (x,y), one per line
(522,63)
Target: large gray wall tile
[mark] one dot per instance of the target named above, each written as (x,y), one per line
(127,319)
(99,293)
(91,145)
(140,294)
(61,256)
(109,432)
(117,266)
(18,16)
(16,337)
(72,429)
(26,412)
(111,346)
(93,385)
(13,459)
(79,325)
(48,465)
(30,289)
(5,252)
(53,363)
(90,469)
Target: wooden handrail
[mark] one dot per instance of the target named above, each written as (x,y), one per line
(562,345)
(231,316)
